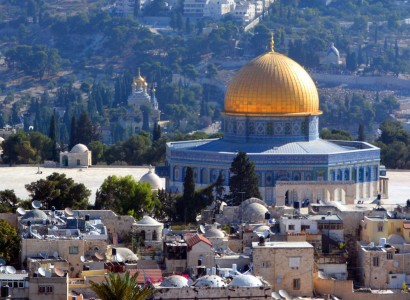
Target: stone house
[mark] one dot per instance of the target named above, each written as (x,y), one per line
(285,265)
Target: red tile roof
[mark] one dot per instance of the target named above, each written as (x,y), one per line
(154,275)
(193,240)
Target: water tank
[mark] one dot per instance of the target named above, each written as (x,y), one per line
(296,205)
(234,268)
(382,242)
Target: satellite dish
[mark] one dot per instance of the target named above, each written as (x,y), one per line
(21,211)
(119,258)
(276,296)
(41,271)
(82,258)
(36,204)
(59,272)
(47,273)
(11,270)
(285,294)
(99,256)
(2,262)
(3,269)
(202,229)
(68,211)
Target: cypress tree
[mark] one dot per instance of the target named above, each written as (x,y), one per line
(362,135)
(244,182)
(73,133)
(188,197)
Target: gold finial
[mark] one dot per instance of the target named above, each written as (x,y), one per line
(272,43)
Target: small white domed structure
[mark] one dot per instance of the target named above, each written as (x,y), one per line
(174,281)
(218,238)
(210,281)
(79,148)
(149,230)
(254,213)
(34,215)
(246,280)
(78,157)
(153,179)
(214,233)
(126,255)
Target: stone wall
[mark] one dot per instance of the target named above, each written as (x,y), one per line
(256,293)
(344,289)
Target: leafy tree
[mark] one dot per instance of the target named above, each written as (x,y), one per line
(59,191)
(121,286)
(124,194)
(8,201)
(9,243)
(98,149)
(243,183)
(17,149)
(335,134)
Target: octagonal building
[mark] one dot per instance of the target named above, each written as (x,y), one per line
(271,112)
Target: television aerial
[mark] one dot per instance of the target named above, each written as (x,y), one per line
(36,204)
(21,211)
(11,270)
(59,272)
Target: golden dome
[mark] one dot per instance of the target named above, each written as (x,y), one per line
(272,85)
(139,80)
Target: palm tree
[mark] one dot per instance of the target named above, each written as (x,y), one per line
(121,287)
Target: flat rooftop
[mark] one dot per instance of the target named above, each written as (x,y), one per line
(280,245)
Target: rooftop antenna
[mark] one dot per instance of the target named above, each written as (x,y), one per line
(36,204)
(21,211)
